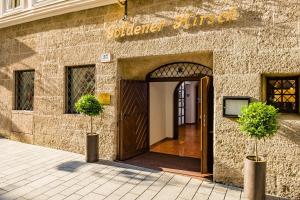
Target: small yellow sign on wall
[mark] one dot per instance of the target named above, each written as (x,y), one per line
(104,98)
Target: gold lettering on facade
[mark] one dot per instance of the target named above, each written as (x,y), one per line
(145,28)
(123,32)
(182,21)
(110,33)
(231,15)
(129,29)
(220,19)
(186,21)
(117,33)
(153,28)
(201,20)
(137,30)
(195,19)
(177,22)
(210,19)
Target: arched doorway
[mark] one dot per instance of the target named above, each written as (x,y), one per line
(135,115)
(186,119)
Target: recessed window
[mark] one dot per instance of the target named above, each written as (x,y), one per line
(283,93)
(80,81)
(11,4)
(24,90)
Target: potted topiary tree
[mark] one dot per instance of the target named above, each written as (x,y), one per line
(90,106)
(259,121)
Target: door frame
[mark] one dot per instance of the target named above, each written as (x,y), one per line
(207,121)
(163,79)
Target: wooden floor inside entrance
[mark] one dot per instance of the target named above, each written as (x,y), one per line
(180,156)
(187,145)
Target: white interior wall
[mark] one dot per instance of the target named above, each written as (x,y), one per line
(157,117)
(169,108)
(191,102)
(161,110)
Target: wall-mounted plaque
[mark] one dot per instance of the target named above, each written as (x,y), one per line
(105,57)
(232,106)
(104,98)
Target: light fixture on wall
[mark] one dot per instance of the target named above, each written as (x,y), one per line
(232,106)
(124,3)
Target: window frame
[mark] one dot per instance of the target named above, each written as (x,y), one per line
(8,11)
(67,85)
(16,90)
(41,3)
(8,2)
(297,88)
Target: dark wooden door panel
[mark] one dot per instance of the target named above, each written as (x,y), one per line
(134,119)
(206,134)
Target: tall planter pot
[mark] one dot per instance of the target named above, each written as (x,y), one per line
(254,178)
(92,148)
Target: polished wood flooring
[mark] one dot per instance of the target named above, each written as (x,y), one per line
(187,145)
(180,156)
(170,163)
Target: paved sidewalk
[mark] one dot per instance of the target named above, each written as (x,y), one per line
(33,172)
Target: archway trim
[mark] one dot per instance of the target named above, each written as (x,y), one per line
(179,71)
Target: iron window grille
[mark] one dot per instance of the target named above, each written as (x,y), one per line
(80,81)
(283,93)
(178,70)
(24,91)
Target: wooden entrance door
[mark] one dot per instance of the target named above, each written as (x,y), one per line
(133,119)
(206,124)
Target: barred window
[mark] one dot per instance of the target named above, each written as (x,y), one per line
(283,93)
(24,90)
(80,81)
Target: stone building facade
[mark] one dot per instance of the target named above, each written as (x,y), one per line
(263,41)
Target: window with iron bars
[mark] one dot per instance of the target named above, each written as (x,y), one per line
(283,93)
(24,91)
(80,81)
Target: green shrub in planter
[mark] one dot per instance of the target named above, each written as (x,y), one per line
(259,121)
(90,106)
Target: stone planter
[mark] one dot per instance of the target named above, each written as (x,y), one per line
(92,148)
(254,178)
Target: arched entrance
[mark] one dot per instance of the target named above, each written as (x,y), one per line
(134,137)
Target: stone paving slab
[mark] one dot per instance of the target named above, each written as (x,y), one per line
(29,172)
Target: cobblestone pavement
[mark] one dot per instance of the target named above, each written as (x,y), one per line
(33,172)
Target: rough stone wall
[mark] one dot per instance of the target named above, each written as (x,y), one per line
(264,40)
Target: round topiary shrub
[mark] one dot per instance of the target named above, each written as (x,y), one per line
(259,121)
(90,106)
